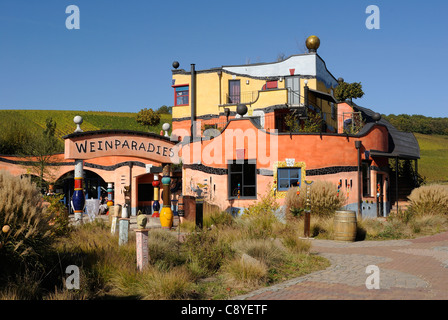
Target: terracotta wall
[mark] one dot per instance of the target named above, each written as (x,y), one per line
(209,159)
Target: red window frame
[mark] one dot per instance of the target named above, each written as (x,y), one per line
(175,94)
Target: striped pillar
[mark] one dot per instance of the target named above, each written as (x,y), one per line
(78,198)
(110,194)
(166,214)
(156,204)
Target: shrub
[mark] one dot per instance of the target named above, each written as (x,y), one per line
(404,216)
(294,204)
(164,249)
(26,233)
(59,213)
(324,199)
(429,200)
(259,220)
(175,284)
(217,219)
(148,117)
(264,250)
(292,242)
(206,251)
(246,270)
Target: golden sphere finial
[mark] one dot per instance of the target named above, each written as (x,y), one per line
(312,43)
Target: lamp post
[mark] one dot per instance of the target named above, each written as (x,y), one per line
(358,145)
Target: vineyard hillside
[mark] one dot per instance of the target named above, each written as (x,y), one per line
(92,120)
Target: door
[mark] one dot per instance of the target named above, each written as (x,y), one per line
(293,86)
(234,91)
(379,195)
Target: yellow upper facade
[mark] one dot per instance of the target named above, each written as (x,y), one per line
(261,87)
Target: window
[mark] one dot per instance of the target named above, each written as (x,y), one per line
(244,175)
(270,85)
(181,95)
(288,177)
(333,111)
(365,170)
(234,91)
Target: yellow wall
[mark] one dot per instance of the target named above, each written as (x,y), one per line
(212,90)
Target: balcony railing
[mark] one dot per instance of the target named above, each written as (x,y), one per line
(246,97)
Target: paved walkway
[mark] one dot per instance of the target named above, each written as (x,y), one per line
(414,269)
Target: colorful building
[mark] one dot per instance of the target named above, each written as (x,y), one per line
(236,124)
(117,164)
(239,132)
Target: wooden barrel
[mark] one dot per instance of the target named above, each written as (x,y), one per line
(345,226)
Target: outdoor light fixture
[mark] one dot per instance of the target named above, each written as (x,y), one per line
(227,113)
(358,145)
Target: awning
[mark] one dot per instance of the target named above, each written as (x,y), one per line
(323,95)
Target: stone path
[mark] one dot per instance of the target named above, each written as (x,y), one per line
(414,269)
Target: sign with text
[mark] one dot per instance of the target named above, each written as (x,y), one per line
(94,144)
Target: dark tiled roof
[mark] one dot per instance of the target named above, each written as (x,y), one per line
(401,144)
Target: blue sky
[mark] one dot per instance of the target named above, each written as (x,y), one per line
(120,58)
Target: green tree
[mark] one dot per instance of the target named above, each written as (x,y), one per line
(148,117)
(164,110)
(39,153)
(50,127)
(350,91)
(313,123)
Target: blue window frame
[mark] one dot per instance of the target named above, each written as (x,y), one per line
(288,177)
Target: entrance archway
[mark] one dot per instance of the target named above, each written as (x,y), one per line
(94,186)
(114,150)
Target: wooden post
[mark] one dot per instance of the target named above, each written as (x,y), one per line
(306,234)
(141,240)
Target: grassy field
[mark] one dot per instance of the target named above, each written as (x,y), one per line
(434,157)
(93,120)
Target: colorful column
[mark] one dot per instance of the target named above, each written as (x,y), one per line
(110,194)
(78,198)
(166,214)
(156,204)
